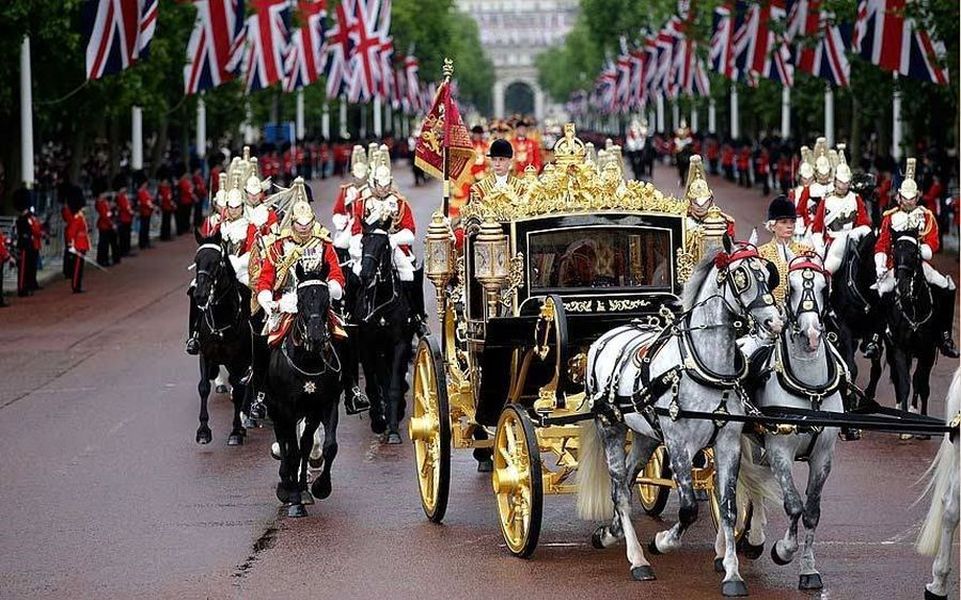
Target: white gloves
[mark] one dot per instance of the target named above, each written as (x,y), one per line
(288,302)
(258,216)
(340,222)
(926,252)
(859,232)
(336,290)
(351,195)
(266,299)
(239,263)
(881,264)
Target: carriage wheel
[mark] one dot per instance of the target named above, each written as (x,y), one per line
(517,480)
(744,513)
(429,429)
(653,497)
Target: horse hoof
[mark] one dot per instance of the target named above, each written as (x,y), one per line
(306,497)
(321,488)
(719,565)
(236,438)
(221,389)
(275,450)
(248,423)
(811,581)
(282,494)
(296,511)
(204,435)
(652,548)
(485,466)
(905,436)
(777,557)
(749,550)
(642,573)
(315,463)
(733,589)
(393,438)
(929,595)
(378,425)
(597,538)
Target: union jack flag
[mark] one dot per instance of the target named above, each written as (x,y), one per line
(690,72)
(411,101)
(761,52)
(215,46)
(666,42)
(305,56)
(622,89)
(339,50)
(117,33)
(820,43)
(267,39)
(368,39)
(638,93)
(884,35)
(727,22)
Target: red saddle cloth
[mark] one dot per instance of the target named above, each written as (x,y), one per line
(276,336)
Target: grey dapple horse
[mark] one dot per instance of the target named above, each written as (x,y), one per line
(645,378)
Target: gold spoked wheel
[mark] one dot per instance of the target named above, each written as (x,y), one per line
(517,480)
(654,495)
(429,429)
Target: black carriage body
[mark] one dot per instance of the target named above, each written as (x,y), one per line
(607,268)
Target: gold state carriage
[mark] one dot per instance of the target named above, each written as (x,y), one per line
(546,268)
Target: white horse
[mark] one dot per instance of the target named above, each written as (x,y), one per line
(802,371)
(646,379)
(939,528)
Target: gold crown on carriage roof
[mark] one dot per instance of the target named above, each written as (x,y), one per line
(569,149)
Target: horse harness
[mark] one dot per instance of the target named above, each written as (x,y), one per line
(297,332)
(215,298)
(378,278)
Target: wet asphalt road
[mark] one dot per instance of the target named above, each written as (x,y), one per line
(106,495)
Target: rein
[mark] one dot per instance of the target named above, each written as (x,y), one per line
(218,293)
(299,331)
(914,273)
(370,300)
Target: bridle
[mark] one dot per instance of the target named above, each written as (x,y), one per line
(809,301)
(738,280)
(382,273)
(912,272)
(217,292)
(299,336)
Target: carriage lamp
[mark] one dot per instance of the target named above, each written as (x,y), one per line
(490,262)
(439,263)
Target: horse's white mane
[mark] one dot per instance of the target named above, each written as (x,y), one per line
(698,276)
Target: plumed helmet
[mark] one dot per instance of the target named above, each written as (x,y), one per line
(806,170)
(909,187)
(302,214)
(822,165)
(253,185)
(781,208)
(842,172)
(501,149)
(358,162)
(697,189)
(234,198)
(381,175)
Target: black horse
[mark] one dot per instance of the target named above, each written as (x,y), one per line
(303,382)
(355,401)
(856,314)
(385,330)
(912,330)
(221,304)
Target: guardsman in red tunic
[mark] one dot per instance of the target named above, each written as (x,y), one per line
(165,196)
(840,217)
(36,243)
(78,243)
(65,216)
(526,150)
(106,233)
(185,203)
(919,222)
(145,207)
(343,217)
(5,257)
(124,218)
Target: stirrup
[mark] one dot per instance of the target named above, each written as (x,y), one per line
(192,347)
(247,376)
(356,402)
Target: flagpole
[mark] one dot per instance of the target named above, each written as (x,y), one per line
(829,115)
(136,141)
(448,73)
(201,140)
(785,112)
(325,122)
(896,125)
(26,114)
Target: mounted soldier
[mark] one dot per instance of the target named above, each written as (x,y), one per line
(842,216)
(808,205)
(801,192)
(914,220)
(343,217)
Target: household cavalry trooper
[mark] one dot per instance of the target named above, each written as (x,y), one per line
(909,216)
(276,288)
(801,192)
(344,208)
(383,207)
(841,216)
(700,200)
(781,218)
(818,190)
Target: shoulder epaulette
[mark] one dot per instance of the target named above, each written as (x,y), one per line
(891,211)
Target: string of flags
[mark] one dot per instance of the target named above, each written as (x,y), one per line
(258,42)
(764,39)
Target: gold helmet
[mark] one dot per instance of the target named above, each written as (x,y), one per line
(697,190)
(909,187)
(300,211)
(234,198)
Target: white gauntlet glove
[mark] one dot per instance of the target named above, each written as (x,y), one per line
(881,264)
(288,302)
(926,252)
(266,300)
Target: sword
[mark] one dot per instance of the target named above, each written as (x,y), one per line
(87,260)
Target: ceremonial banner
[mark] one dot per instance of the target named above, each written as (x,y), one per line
(444,128)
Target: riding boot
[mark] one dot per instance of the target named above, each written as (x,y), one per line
(872,347)
(192,347)
(944,305)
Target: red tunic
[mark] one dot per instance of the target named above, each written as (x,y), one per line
(802,206)
(36,231)
(928,234)
(4,252)
(200,186)
(124,211)
(103,214)
(144,203)
(526,152)
(268,270)
(165,193)
(77,233)
(186,191)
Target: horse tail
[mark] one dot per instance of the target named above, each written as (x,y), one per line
(593,477)
(754,481)
(941,474)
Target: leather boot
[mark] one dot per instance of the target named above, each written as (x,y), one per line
(192,347)
(945,312)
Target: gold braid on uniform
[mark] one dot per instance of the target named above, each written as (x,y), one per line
(769,251)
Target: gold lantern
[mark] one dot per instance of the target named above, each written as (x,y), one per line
(491,264)
(439,256)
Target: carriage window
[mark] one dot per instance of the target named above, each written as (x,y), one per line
(600,257)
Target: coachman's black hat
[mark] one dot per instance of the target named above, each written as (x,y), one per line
(781,208)
(501,149)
